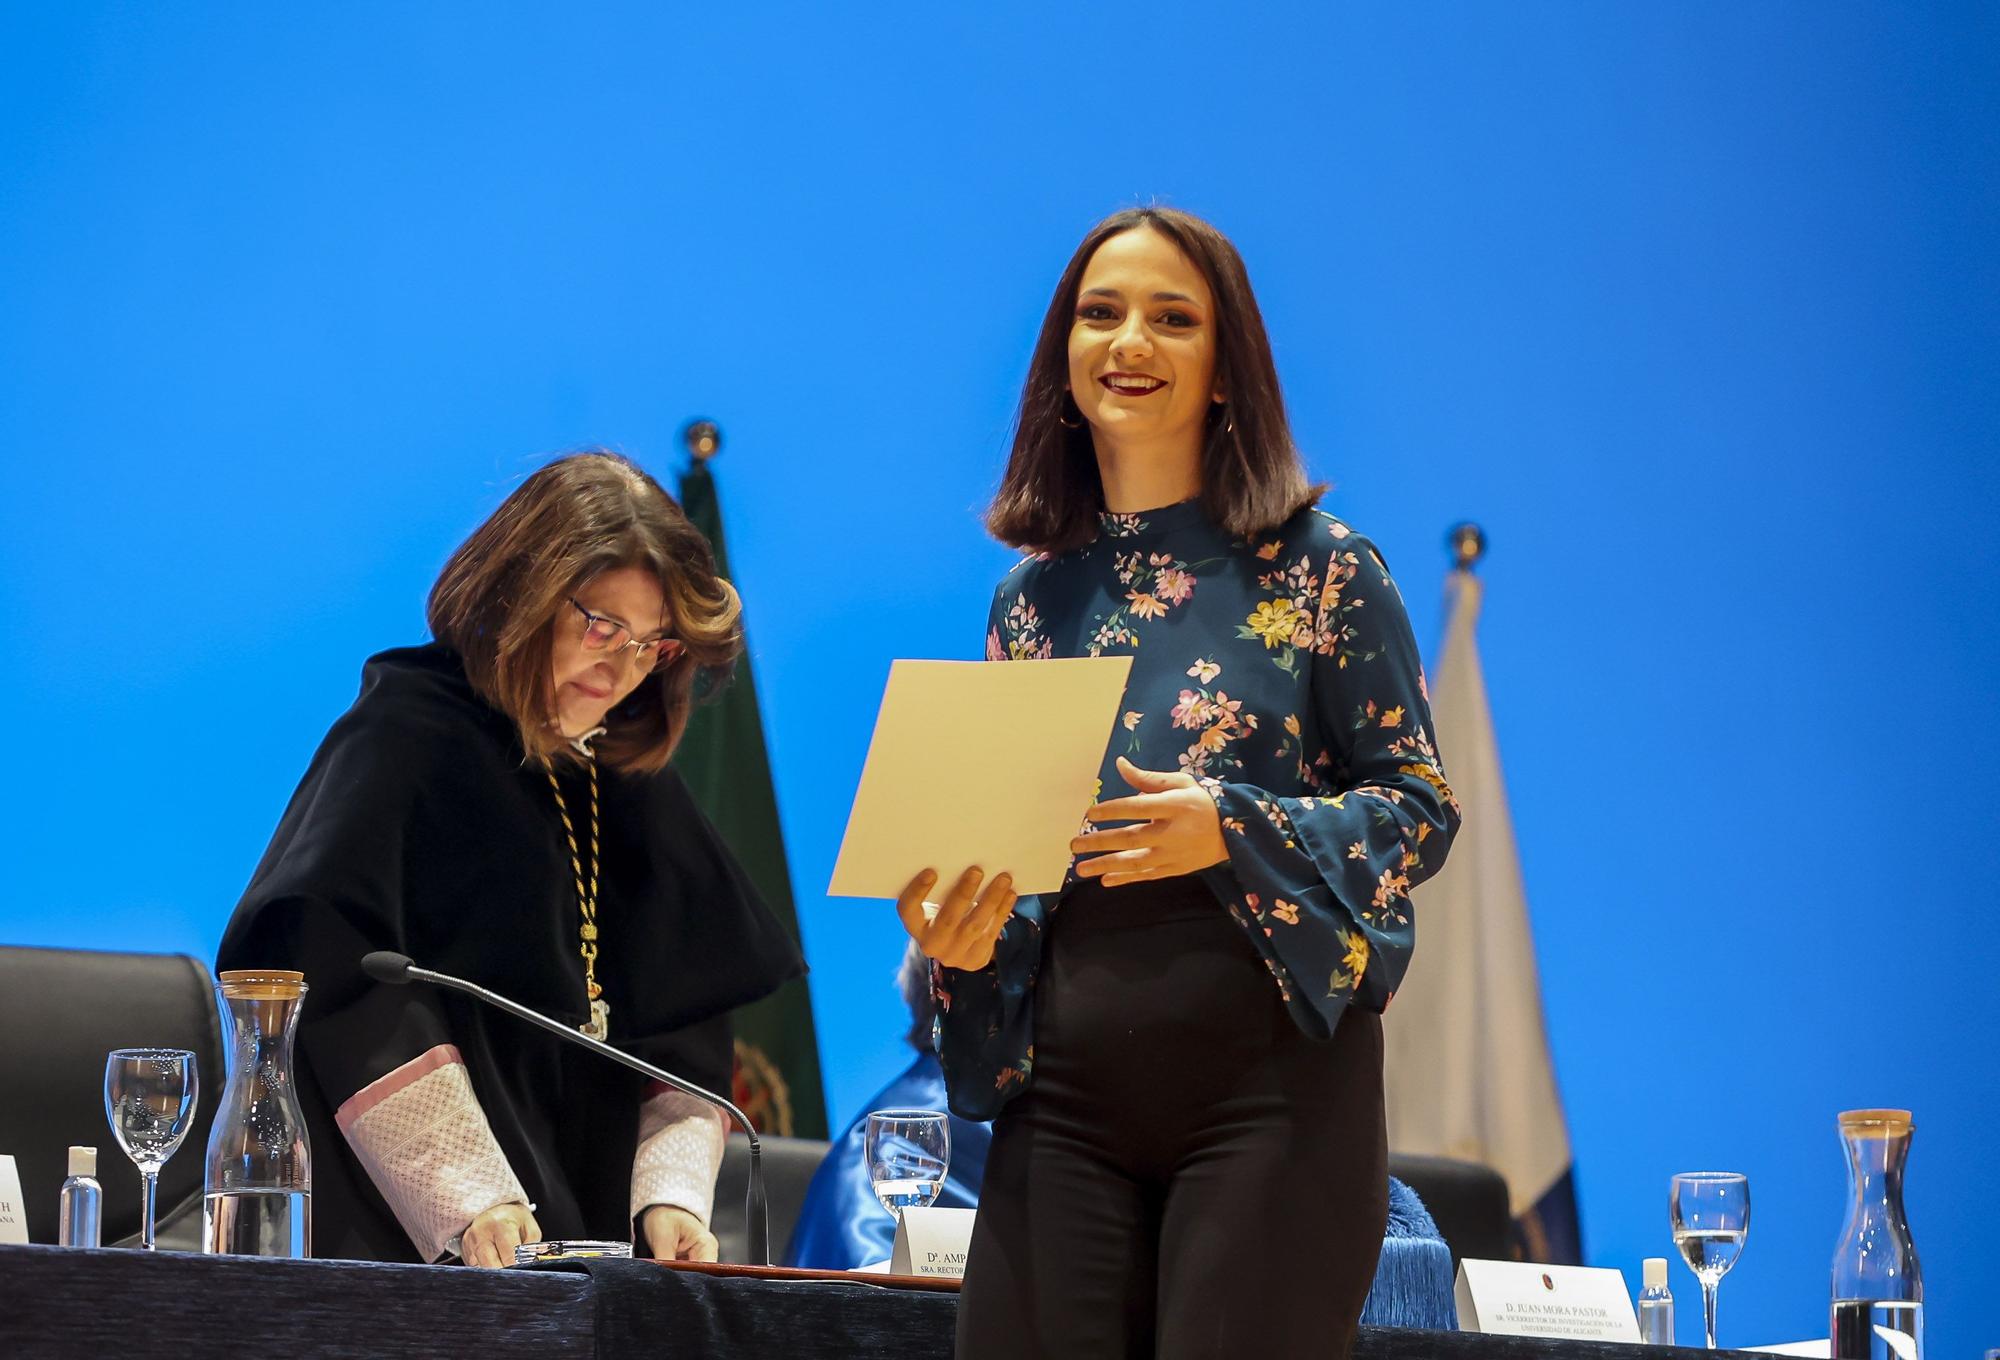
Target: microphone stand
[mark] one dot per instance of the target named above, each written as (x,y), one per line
(387,967)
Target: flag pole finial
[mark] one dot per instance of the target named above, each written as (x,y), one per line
(1467,542)
(703,439)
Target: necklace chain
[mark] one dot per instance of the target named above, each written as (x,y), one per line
(586,889)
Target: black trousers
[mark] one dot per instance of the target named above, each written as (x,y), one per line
(1187,1174)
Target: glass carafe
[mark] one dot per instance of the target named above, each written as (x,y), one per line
(1878,1288)
(257,1197)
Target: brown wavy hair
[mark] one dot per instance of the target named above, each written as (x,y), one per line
(499,598)
(1252,478)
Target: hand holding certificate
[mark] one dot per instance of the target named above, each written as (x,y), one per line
(961,931)
(1035,731)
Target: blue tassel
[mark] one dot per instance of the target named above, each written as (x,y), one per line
(1407,1215)
(1413,1282)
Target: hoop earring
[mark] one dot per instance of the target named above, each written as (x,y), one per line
(1228,420)
(1063,420)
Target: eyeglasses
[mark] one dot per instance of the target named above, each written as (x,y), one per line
(608,635)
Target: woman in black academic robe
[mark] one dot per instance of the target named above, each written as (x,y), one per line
(495,805)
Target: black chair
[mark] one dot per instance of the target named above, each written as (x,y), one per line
(61,1011)
(789,1164)
(1468,1202)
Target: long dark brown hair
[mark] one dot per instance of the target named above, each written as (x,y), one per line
(500,598)
(1252,478)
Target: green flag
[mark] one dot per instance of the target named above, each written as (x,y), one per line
(723,760)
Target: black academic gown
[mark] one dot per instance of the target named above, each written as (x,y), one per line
(420,828)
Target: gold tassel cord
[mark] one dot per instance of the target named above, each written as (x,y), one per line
(586,896)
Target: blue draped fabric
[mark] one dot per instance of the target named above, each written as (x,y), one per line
(842,1225)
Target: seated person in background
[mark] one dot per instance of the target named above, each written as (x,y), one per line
(842,1225)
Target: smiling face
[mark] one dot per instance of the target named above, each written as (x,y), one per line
(587,683)
(1142,348)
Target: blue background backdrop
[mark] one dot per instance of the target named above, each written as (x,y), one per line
(1693,306)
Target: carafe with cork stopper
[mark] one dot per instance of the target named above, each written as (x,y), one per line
(1878,1287)
(257,1197)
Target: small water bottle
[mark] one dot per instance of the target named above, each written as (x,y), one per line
(1656,1305)
(82,1206)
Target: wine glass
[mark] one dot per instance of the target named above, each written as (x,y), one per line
(149,1098)
(908,1153)
(1711,1215)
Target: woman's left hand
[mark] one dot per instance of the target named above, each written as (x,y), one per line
(1178,831)
(674,1234)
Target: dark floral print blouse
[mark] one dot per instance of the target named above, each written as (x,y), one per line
(1279,671)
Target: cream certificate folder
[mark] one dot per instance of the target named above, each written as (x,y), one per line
(990,763)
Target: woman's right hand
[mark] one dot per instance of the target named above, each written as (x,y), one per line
(490,1239)
(968,922)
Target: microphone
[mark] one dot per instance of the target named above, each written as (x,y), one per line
(400,970)
(385,966)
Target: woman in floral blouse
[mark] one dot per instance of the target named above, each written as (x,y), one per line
(1183,1049)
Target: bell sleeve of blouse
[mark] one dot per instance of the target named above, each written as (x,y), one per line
(328,892)
(985,1042)
(984,1039)
(1326,876)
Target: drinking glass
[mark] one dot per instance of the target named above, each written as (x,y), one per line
(908,1153)
(1711,1214)
(149,1098)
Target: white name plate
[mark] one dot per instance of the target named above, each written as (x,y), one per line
(1517,1298)
(13,1213)
(932,1242)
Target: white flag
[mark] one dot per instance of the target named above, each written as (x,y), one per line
(1468,1069)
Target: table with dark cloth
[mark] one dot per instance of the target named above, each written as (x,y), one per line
(61,1303)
